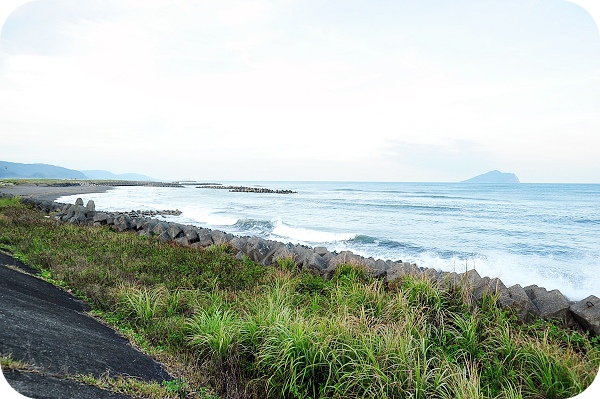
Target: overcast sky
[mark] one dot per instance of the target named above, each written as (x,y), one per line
(395,90)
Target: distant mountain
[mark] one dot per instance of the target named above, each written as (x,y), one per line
(106,175)
(13,170)
(494,176)
(37,171)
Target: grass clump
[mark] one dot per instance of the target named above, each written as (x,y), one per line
(249,331)
(8,363)
(174,389)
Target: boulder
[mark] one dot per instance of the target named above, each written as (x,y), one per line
(160,228)
(68,213)
(79,201)
(76,214)
(343,257)
(552,305)
(321,250)
(239,242)
(122,222)
(471,279)
(90,209)
(516,298)
(175,230)
(400,270)
(587,313)
(283,251)
(394,273)
(148,226)
(183,241)
(491,287)
(533,291)
(259,250)
(205,237)
(100,217)
(163,237)
(139,222)
(374,268)
(301,253)
(191,234)
(315,263)
(449,280)
(430,274)
(378,269)
(219,237)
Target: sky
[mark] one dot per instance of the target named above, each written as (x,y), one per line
(341,90)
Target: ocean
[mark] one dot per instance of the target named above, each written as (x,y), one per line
(544,234)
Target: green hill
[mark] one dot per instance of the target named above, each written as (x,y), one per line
(37,171)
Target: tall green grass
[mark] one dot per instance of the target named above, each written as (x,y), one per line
(250,331)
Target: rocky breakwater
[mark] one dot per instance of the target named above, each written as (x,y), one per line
(244,189)
(529,303)
(152,212)
(132,183)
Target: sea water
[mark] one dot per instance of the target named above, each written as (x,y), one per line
(544,234)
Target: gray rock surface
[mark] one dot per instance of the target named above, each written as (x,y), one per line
(587,313)
(526,311)
(552,305)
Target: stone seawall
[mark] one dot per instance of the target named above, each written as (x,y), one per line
(530,303)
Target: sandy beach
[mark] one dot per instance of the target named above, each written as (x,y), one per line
(50,193)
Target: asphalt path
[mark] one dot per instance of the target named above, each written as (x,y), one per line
(49,329)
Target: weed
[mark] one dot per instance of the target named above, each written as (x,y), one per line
(287,264)
(214,331)
(7,363)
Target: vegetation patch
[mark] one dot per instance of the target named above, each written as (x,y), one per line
(232,328)
(7,363)
(135,388)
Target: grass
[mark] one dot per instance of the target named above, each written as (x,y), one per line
(7,363)
(233,328)
(135,388)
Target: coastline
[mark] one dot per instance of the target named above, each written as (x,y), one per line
(325,315)
(531,302)
(50,193)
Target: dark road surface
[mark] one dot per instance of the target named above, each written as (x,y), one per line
(48,329)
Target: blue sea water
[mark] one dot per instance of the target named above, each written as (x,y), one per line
(544,234)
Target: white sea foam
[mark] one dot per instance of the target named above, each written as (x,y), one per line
(573,281)
(284,232)
(208,216)
(512,269)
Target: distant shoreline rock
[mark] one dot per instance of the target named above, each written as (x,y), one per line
(244,189)
(494,176)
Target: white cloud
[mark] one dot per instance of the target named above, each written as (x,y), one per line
(295,81)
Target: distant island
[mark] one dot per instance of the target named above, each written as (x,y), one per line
(13,170)
(494,176)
